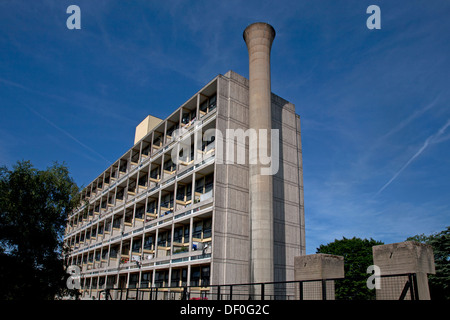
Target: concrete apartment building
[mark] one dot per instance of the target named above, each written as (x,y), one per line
(150,220)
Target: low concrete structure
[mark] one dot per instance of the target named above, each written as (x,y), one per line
(407,257)
(318,272)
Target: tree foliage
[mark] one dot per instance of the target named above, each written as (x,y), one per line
(439,283)
(33,209)
(358,257)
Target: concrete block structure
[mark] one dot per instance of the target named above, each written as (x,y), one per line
(175,210)
(407,257)
(318,271)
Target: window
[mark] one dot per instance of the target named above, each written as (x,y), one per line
(111,280)
(167,203)
(171,130)
(139,212)
(157,142)
(209,181)
(108,226)
(146,279)
(154,174)
(151,207)
(188,117)
(117,223)
(208,105)
(161,278)
(119,194)
(204,187)
(208,145)
(169,166)
(114,251)
(195,276)
(207,227)
(199,184)
(204,107)
(212,102)
(205,276)
(186,234)
(146,150)
(123,166)
(148,243)
(197,230)
(178,235)
(143,181)
(134,279)
(184,193)
(164,239)
(105,253)
(200,276)
(137,244)
(175,279)
(202,229)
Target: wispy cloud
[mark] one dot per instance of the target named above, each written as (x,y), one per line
(409,119)
(69,135)
(435,138)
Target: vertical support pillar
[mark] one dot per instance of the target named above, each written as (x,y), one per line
(402,258)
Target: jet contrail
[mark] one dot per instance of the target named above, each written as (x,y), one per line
(418,153)
(69,135)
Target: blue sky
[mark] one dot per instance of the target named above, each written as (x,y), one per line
(374,104)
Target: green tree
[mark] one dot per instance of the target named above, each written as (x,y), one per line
(439,283)
(34,205)
(357,255)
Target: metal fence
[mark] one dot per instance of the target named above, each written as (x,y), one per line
(398,287)
(288,290)
(393,287)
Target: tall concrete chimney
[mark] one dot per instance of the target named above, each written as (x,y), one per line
(259,37)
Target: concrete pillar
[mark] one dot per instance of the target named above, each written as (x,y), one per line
(402,258)
(259,37)
(313,269)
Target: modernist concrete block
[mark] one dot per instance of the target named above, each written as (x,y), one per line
(318,266)
(402,258)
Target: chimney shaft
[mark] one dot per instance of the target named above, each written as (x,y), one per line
(259,37)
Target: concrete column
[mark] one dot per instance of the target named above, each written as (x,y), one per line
(315,268)
(401,258)
(259,37)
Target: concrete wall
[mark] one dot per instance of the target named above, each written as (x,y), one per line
(231,220)
(401,258)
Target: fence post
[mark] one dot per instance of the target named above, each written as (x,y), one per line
(324,289)
(300,285)
(262,291)
(218,292)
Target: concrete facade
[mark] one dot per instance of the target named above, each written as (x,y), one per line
(148,222)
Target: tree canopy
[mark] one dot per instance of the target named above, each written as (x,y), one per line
(439,283)
(34,205)
(358,257)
